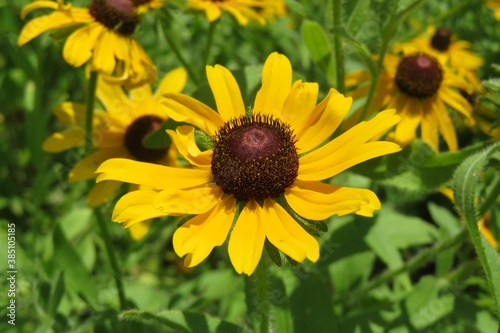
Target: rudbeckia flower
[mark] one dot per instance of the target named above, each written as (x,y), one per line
(242,10)
(102,37)
(419,88)
(118,132)
(455,54)
(257,162)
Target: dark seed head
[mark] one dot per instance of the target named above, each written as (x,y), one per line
(441,40)
(135,134)
(254,158)
(419,75)
(116,15)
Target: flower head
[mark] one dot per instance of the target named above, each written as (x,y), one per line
(118,132)
(242,10)
(261,163)
(419,87)
(455,54)
(103,37)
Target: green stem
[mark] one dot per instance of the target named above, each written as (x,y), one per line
(258,302)
(208,46)
(491,197)
(178,54)
(409,266)
(337,42)
(103,225)
(89,111)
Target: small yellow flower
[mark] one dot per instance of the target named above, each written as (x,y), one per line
(495,5)
(118,132)
(242,10)
(419,88)
(454,54)
(103,37)
(257,161)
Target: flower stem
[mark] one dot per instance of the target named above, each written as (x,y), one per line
(89,111)
(178,54)
(103,225)
(409,266)
(258,302)
(208,46)
(337,42)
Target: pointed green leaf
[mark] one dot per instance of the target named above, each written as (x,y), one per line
(316,41)
(465,183)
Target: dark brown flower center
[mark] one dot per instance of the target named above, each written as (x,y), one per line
(419,75)
(116,15)
(254,158)
(135,134)
(441,40)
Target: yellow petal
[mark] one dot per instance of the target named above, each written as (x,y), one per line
(104,60)
(106,139)
(173,82)
(350,148)
(135,207)
(319,201)
(276,84)
(139,230)
(193,201)
(183,108)
(102,192)
(226,92)
(41,24)
(86,168)
(71,113)
(213,12)
(80,45)
(455,101)
(155,176)
(287,235)
(247,238)
(299,105)
(37,5)
(357,77)
(329,114)
(429,126)
(198,236)
(113,97)
(406,129)
(184,139)
(446,126)
(64,140)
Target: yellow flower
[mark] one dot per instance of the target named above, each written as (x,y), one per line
(257,161)
(419,88)
(118,132)
(495,5)
(103,38)
(455,54)
(242,10)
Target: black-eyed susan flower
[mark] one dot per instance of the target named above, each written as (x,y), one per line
(495,5)
(118,132)
(455,54)
(102,37)
(242,10)
(419,88)
(257,162)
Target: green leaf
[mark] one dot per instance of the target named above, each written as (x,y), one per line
(68,259)
(465,182)
(159,138)
(182,321)
(316,41)
(56,293)
(492,84)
